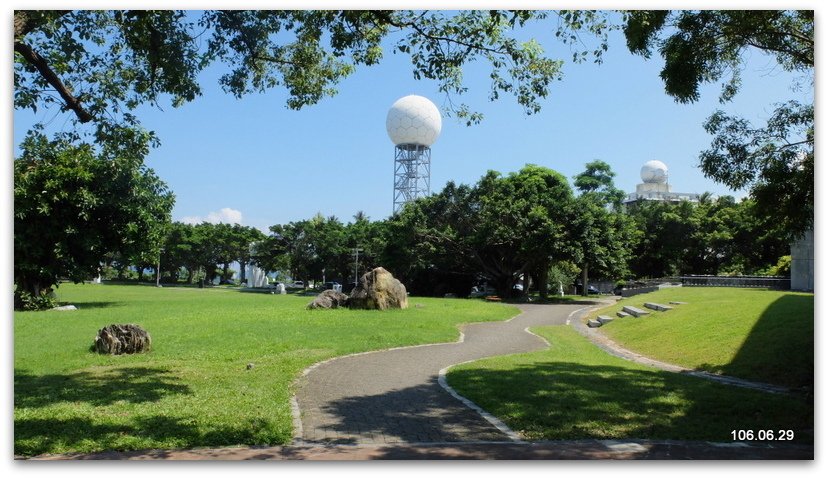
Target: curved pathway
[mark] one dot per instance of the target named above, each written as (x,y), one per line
(395,396)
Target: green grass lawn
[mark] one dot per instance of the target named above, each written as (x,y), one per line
(756,334)
(193,388)
(575,390)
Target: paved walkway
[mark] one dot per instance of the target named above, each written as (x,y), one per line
(395,396)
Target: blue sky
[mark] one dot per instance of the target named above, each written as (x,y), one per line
(256,162)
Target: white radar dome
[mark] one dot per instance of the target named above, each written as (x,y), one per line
(654,172)
(413,119)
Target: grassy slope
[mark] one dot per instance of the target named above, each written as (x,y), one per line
(193,388)
(574,390)
(750,333)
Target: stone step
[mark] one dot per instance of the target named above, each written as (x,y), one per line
(622,314)
(593,323)
(635,311)
(675,302)
(658,307)
(605,319)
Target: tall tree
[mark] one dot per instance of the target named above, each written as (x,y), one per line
(603,233)
(666,236)
(66,219)
(502,228)
(243,238)
(597,178)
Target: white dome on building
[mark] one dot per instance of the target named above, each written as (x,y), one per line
(654,172)
(413,119)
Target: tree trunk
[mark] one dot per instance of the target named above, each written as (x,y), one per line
(543,278)
(503,286)
(242,272)
(584,280)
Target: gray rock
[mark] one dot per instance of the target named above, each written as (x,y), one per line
(605,319)
(675,302)
(622,314)
(65,307)
(117,339)
(378,289)
(593,324)
(328,299)
(635,311)
(658,307)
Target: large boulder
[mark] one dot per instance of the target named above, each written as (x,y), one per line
(328,299)
(119,339)
(378,289)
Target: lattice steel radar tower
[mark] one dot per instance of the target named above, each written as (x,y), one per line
(413,124)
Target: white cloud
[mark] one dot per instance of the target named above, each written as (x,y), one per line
(224,215)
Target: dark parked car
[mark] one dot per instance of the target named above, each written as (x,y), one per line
(331,286)
(590,289)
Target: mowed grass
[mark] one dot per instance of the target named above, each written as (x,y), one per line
(757,334)
(574,390)
(193,388)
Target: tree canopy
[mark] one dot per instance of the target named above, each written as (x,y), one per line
(66,218)
(102,65)
(776,161)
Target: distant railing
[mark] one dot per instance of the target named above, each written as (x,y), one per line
(773,282)
(637,290)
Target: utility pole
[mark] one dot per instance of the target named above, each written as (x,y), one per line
(357,250)
(158,269)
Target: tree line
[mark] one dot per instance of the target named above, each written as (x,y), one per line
(527,227)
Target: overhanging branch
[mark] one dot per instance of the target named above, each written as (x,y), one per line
(49,75)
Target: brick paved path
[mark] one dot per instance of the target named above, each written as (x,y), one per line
(394,396)
(551,450)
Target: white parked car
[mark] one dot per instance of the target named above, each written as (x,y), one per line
(297,284)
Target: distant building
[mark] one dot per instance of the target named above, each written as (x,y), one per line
(655,186)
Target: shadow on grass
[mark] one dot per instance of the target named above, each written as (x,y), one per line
(95,305)
(129,384)
(38,429)
(34,436)
(564,400)
(780,347)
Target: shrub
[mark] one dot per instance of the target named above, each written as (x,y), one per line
(24,300)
